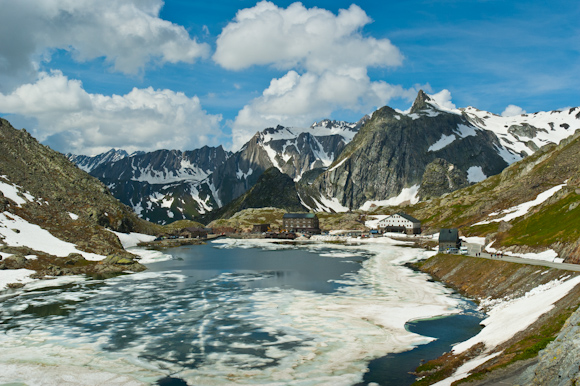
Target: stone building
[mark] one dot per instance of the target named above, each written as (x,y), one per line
(301,222)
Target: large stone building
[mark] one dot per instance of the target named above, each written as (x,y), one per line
(400,222)
(301,222)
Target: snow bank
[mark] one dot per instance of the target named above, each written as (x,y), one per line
(509,317)
(15,193)
(522,209)
(18,232)
(406,195)
(129,240)
(8,276)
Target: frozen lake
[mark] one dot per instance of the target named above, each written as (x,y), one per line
(235,312)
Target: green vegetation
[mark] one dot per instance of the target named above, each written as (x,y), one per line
(557,222)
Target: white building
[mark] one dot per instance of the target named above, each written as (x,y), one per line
(400,222)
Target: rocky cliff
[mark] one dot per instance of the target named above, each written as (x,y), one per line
(392,150)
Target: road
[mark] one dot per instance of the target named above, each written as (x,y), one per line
(475,248)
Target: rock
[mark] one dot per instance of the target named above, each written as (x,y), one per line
(441,177)
(119,259)
(74,259)
(504,226)
(14,262)
(558,364)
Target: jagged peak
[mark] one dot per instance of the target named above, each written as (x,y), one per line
(421,102)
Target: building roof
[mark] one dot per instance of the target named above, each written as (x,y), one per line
(408,217)
(299,215)
(194,229)
(448,234)
(405,216)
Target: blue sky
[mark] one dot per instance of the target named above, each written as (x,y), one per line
(86,76)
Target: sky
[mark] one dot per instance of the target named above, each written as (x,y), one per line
(84,76)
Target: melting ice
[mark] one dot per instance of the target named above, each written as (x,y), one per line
(222,328)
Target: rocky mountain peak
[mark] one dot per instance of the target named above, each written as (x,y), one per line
(421,102)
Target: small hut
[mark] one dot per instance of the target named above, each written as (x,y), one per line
(449,239)
(260,228)
(195,233)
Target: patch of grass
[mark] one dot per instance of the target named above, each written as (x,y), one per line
(556,222)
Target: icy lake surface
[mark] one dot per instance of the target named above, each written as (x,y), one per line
(226,313)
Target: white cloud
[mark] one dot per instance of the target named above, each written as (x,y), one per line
(512,110)
(296,37)
(127,33)
(326,58)
(70,119)
(299,100)
(443,99)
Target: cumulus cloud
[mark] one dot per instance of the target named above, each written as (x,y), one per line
(512,110)
(314,39)
(298,100)
(443,99)
(325,57)
(70,119)
(127,33)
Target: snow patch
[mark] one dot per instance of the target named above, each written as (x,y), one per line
(522,209)
(8,276)
(406,195)
(475,174)
(508,317)
(18,232)
(444,141)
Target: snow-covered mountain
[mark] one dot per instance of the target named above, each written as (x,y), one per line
(169,185)
(387,158)
(429,151)
(88,163)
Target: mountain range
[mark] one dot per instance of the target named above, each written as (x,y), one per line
(387,158)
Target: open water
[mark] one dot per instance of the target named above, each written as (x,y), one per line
(239,312)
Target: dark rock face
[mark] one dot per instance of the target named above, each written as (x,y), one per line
(169,185)
(392,150)
(163,165)
(441,177)
(273,189)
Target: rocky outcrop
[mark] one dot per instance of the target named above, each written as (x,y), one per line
(559,363)
(392,150)
(441,177)
(61,198)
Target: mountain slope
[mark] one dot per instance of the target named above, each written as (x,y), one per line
(273,189)
(386,162)
(168,185)
(88,163)
(532,206)
(51,209)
